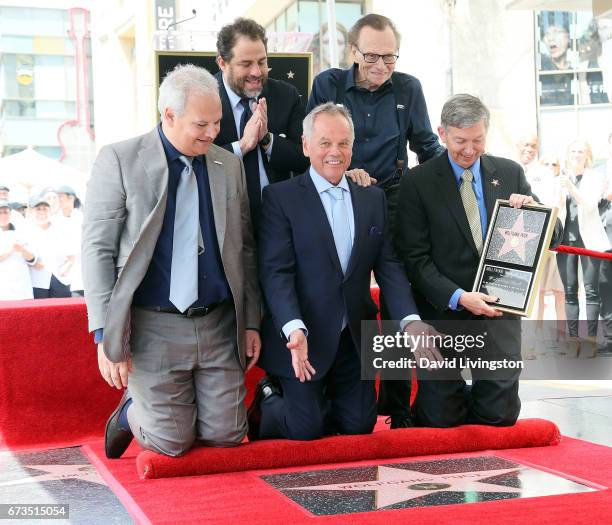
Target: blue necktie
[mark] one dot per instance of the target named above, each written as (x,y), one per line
(184,269)
(340,226)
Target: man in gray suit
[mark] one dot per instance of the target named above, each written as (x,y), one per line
(170,276)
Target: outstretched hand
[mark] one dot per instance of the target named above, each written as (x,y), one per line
(298,345)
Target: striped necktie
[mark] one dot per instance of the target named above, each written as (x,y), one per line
(471,208)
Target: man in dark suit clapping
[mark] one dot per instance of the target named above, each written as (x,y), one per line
(262,117)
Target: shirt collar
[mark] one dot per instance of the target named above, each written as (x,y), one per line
(458,170)
(322,184)
(233,97)
(172,153)
(350,81)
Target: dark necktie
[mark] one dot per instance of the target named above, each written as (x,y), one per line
(251,167)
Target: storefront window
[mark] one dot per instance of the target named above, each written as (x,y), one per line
(570,49)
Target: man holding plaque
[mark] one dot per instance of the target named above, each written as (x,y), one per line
(444,210)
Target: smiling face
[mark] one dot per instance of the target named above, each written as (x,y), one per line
(372,76)
(330,147)
(578,156)
(194,131)
(247,71)
(465,145)
(527,149)
(42,215)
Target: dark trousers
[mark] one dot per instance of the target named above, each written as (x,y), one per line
(56,289)
(338,403)
(393,395)
(605,293)
(493,397)
(568,268)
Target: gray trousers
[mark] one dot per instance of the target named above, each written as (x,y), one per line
(187,382)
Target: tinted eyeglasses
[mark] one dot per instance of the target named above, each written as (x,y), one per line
(372,58)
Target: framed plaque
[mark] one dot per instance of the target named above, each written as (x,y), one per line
(514,255)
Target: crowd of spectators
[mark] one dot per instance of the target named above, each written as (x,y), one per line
(40,245)
(583,194)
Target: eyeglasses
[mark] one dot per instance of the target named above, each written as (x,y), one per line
(372,58)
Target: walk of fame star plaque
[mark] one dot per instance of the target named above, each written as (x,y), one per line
(418,484)
(514,255)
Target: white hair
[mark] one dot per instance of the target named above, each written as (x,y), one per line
(329,108)
(182,81)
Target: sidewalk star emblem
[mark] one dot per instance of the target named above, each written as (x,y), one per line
(396,484)
(419,483)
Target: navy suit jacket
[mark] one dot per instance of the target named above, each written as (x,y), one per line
(301,276)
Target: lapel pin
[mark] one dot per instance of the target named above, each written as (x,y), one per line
(495,182)
(218,162)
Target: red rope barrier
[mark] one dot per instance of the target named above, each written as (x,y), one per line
(583,251)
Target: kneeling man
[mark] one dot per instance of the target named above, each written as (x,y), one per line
(320,238)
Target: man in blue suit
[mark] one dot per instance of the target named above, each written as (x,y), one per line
(321,236)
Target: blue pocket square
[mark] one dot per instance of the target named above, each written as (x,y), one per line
(374,230)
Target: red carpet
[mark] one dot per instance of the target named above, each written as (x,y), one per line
(343,449)
(243,498)
(51,392)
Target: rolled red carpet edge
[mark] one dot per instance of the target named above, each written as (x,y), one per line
(399,443)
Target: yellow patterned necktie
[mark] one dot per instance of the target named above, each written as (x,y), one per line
(471,208)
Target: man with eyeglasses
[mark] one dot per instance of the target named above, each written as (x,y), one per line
(389,111)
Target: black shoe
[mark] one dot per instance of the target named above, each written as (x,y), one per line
(400,421)
(116,438)
(266,388)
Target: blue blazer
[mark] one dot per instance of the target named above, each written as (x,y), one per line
(301,276)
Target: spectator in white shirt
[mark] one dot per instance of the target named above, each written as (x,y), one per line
(51,273)
(72,217)
(15,257)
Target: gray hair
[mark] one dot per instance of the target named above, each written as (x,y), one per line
(464,111)
(329,108)
(182,81)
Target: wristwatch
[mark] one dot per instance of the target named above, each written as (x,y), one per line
(267,138)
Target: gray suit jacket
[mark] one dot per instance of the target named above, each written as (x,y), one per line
(126,202)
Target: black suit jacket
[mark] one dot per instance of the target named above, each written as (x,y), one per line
(433,237)
(301,276)
(285,116)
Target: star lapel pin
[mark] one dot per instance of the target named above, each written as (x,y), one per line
(291,74)
(495,182)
